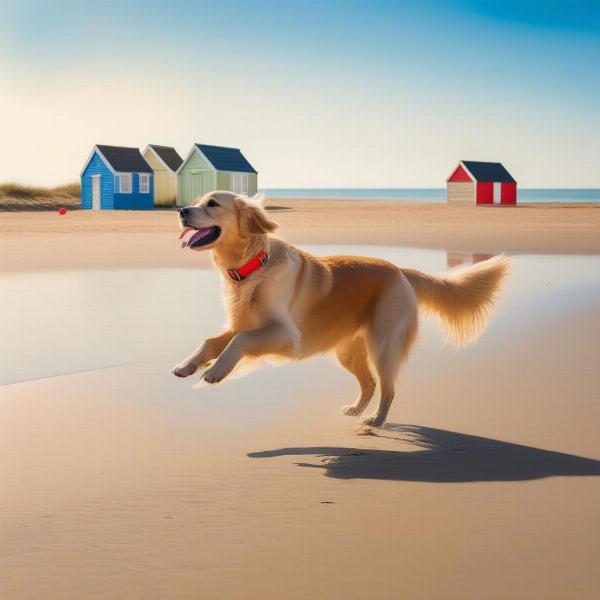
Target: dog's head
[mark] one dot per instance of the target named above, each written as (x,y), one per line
(223,218)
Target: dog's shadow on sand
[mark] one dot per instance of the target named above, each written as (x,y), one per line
(440,456)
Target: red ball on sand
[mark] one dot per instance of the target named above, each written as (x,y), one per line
(62,211)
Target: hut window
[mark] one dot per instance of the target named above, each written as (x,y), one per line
(239,184)
(125,183)
(144,183)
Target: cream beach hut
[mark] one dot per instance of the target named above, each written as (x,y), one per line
(164,161)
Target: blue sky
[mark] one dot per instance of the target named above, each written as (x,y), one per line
(337,93)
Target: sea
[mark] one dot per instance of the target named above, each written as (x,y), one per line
(524,195)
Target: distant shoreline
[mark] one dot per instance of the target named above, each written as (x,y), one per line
(432,195)
(16,197)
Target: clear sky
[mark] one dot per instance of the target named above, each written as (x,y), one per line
(315,93)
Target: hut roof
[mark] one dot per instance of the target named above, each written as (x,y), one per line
(125,160)
(168,155)
(226,159)
(488,171)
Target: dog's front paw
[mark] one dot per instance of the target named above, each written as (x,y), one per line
(373,421)
(215,374)
(184,369)
(351,410)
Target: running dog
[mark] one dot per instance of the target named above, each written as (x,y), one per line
(282,301)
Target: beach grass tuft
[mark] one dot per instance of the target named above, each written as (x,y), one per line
(17,196)
(19,190)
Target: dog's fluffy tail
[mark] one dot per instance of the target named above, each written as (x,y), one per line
(463,298)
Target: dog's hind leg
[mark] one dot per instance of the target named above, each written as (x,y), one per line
(389,339)
(352,355)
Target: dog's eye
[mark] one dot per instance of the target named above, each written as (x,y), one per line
(212,204)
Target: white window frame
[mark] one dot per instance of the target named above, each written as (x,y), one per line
(122,178)
(145,177)
(239,183)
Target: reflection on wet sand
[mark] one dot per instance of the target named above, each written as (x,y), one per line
(456,258)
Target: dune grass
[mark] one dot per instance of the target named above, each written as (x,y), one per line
(19,190)
(17,196)
(69,189)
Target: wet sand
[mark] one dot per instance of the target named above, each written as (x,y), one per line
(126,482)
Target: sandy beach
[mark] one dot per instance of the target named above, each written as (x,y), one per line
(121,481)
(549,229)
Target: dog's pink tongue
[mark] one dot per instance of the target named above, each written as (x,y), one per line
(199,234)
(190,235)
(186,233)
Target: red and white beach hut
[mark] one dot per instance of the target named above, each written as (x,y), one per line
(481,183)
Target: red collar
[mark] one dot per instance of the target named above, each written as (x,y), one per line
(262,258)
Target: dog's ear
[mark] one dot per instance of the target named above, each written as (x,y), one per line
(254,220)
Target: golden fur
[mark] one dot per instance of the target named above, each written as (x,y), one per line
(299,305)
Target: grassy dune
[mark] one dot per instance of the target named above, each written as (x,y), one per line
(16,197)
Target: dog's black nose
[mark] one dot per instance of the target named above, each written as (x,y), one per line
(184,212)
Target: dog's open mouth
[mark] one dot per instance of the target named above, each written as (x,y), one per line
(194,238)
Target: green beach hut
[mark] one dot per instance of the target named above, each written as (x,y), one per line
(208,168)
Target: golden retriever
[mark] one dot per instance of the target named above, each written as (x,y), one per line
(294,304)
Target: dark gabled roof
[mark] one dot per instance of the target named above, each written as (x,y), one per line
(125,160)
(226,159)
(488,171)
(168,155)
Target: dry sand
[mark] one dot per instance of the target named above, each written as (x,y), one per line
(128,483)
(94,239)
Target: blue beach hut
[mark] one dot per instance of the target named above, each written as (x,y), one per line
(115,177)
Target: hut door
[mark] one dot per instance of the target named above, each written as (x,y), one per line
(497,192)
(96,192)
(194,188)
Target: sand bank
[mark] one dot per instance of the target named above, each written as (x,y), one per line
(96,238)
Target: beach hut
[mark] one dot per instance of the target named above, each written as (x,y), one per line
(115,177)
(164,161)
(208,168)
(481,183)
